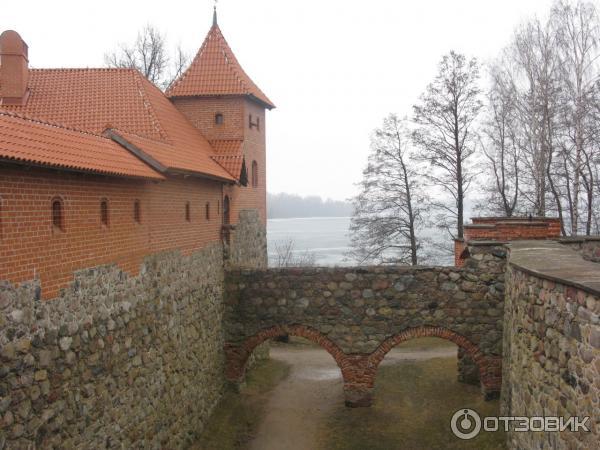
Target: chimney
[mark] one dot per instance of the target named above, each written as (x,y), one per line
(14,71)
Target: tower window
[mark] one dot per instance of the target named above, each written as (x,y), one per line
(207,210)
(104,212)
(137,211)
(188,215)
(254,174)
(57,214)
(218,119)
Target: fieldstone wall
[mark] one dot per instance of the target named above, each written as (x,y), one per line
(359,314)
(587,246)
(115,361)
(551,363)
(249,242)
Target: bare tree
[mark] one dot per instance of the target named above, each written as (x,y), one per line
(532,66)
(577,31)
(501,150)
(148,54)
(287,256)
(445,117)
(388,211)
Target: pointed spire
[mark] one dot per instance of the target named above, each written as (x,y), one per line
(215,71)
(215,15)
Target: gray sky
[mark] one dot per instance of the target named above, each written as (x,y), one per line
(334,68)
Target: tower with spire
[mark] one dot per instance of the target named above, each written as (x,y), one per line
(223,102)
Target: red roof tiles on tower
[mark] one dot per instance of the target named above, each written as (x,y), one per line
(216,71)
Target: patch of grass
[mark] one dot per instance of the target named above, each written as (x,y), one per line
(414,402)
(236,418)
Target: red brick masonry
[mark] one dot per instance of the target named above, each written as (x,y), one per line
(359,370)
(506,229)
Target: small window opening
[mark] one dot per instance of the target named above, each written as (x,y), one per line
(207,212)
(218,119)
(188,216)
(104,212)
(252,124)
(57,214)
(254,174)
(137,211)
(218,208)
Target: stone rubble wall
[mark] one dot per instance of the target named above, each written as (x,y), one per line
(587,246)
(115,361)
(551,364)
(249,242)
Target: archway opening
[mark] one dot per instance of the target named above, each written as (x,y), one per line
(416,392)
(314,385)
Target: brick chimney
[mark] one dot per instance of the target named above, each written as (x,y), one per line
(14,71)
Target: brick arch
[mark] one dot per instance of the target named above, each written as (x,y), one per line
(471,349)
(238,354)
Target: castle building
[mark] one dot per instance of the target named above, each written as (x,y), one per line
(99,166)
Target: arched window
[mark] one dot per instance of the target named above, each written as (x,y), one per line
(188,215)
(137,211)
(207,210)
(218,119)
(58,221)
(104,212)
(254,174)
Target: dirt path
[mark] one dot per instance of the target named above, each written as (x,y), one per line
(298,405)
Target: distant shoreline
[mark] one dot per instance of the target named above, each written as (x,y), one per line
(311,217)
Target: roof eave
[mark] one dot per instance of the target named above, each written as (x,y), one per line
(265,104)
(41,165)
(206,176)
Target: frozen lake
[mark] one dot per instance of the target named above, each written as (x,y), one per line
(326,237)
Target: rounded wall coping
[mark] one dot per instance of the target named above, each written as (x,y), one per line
(578,239)
(377,270)
(553,261)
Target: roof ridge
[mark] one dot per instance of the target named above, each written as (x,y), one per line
(81,69)
(230,64)
(139,81)
(186,72)
(29,118)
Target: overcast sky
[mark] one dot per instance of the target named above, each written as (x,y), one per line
(334,68)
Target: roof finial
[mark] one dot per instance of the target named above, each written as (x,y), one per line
(215,14)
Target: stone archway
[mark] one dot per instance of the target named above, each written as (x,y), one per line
(490,369)
(237,354)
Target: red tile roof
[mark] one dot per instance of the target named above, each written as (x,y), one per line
(94,100)
(39,143)
(216,71)
(229,154)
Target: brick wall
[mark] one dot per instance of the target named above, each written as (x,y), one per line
(31,247)
(201,113)
(503,229)
(236,111)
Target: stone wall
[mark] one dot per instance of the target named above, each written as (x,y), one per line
(551,364)
(587,246)
(249,242)
(115,361)
(359,314)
